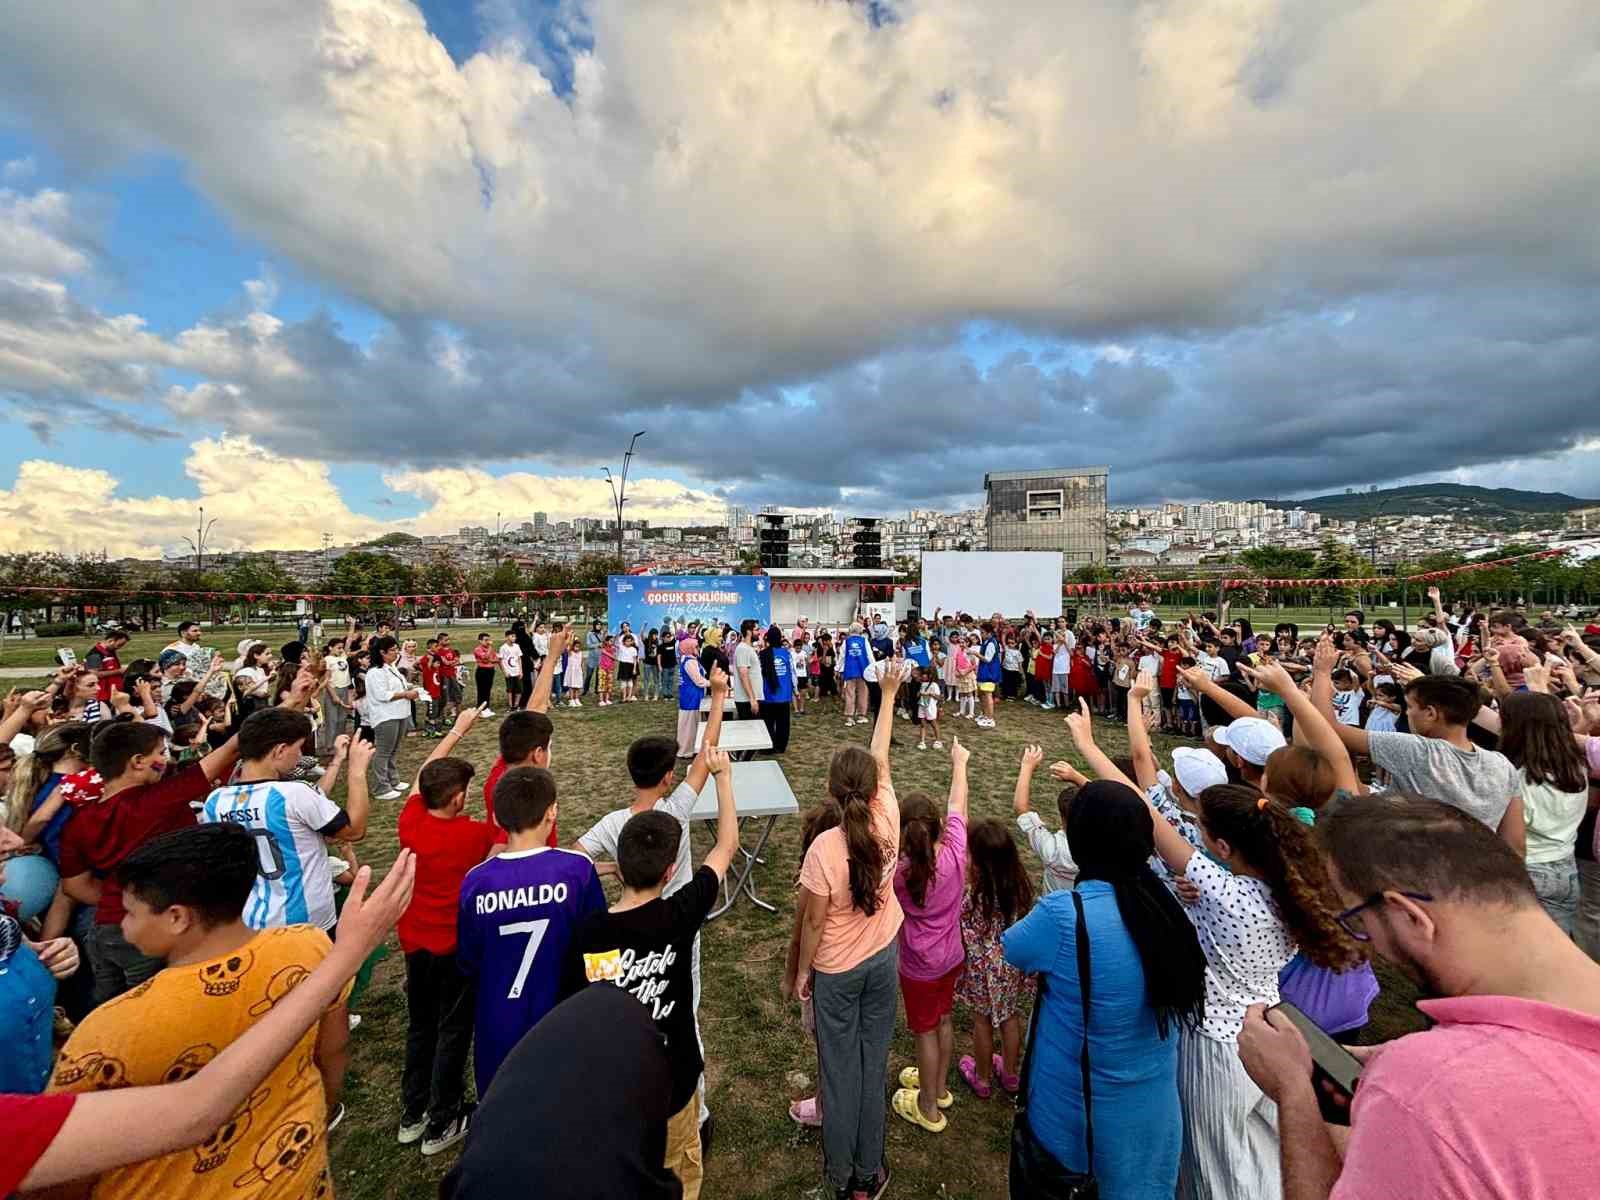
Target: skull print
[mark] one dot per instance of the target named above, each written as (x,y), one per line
(222,978)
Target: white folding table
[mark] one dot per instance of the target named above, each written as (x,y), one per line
(728,706)
(737,737)
(760,789)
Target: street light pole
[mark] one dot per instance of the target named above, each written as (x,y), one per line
(619,493)
(198,542)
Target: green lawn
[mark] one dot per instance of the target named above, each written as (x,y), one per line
(758,1057)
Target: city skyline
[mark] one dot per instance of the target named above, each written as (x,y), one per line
(428,261)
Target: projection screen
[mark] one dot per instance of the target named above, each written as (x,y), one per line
(980,582)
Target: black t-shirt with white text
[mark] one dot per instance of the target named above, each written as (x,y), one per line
(647,952)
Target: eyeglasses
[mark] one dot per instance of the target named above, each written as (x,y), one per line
(1349,915)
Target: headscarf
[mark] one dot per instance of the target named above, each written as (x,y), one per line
(578,1110)
(1111,835)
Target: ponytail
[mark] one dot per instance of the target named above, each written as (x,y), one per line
(919,834)
(1274,842)
(853,782)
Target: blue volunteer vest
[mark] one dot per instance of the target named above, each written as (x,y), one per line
(857,654)
(690,693)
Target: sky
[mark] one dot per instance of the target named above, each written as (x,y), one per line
(353,266)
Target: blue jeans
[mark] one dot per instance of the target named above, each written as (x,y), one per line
(650,683)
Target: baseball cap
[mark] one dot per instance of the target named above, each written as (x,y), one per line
(1251,738)
(171,658)
(1197,769)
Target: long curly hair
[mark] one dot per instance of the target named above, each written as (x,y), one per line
(853,782)
(1273,842)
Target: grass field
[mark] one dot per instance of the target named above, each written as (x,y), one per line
(758,1057)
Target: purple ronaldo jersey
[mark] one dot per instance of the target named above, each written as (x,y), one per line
(518,913)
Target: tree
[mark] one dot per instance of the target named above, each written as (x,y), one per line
(442,575)
(258,575)
(361,573)
(1336,561)
(28,570)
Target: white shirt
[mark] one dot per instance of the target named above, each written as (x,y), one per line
(287,818)
(511,659)
(541,643)
(1213,665)
(1061,660)
(1347,706)
(1245,941)
(745,657)
(1060,872)
(383,683)
(601,840)
(338,670)
(627,653)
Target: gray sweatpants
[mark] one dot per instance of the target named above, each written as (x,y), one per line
(387,736)
(855,1024)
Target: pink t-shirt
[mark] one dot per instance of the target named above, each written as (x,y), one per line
(850,936)
(1498,1102)
(930,939)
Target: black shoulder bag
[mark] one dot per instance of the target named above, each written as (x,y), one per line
(1035,1172)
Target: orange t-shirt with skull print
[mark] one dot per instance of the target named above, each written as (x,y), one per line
(167,1028)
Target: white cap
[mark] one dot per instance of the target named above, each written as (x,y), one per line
(1197,769)
(1251,738)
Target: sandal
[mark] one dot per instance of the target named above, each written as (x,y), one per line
(911,1078)
(968,1067)
(1011,1083)
(804,1112)
(905,1103)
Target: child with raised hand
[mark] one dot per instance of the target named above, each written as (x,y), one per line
(929,881)
(928,708)
(643,945)
(998,895)
(1260,891)
(1060,872)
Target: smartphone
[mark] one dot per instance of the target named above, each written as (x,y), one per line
(367,734)
(1330,1062)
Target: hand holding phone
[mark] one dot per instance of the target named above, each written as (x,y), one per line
(1335,1071)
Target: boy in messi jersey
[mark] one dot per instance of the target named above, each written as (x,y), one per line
(292,822)
(517,916)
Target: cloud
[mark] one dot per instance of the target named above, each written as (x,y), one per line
(261,500)
(761,229)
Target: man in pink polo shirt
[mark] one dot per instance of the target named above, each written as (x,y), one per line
(1501,1099)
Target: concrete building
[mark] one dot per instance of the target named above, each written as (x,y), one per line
(1061,510)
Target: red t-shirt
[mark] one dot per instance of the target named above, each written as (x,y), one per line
(430,676)
(485,656)
(100,835)
(495,772)
(446,851)
(31,1124)
(448,660)
(105,661)
(1043,658)
(1169,668)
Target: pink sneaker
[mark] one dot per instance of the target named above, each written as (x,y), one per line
(968,1067)
(804,1112)
(1011,1083)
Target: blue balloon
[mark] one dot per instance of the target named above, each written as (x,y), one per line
(30,880)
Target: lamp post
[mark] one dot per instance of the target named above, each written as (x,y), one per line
(619,493)
(198,542)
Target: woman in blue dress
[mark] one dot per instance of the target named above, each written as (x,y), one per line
(1147,977)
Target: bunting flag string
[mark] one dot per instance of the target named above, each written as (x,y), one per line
(62,593)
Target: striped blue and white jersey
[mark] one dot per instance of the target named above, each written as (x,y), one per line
(291,822)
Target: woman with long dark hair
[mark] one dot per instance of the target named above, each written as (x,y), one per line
(847,960)
(1147,974)
(1536,736)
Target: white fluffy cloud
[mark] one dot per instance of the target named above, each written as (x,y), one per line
(261,500)
(743,198)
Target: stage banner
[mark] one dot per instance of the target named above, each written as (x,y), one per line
(646,601)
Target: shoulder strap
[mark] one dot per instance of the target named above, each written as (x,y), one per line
(1083,988)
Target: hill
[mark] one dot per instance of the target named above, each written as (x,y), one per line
(1501,507)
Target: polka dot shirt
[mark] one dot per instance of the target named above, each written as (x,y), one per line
(1245,940)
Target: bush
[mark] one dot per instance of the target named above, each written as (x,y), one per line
(67,629)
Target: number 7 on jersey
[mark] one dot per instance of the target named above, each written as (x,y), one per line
(535,931)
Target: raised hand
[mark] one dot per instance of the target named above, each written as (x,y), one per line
(1065,772)
(1032,756)
(717,760)
(465,720)
(1433,593)
(1327,655)
(1081,725)
(365,920)
(718,681)
(341,745)
(1193,678)
(1271,677)
(959,754)
(1143,686)
(361,755)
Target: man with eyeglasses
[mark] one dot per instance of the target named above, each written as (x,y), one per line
(1498,1100)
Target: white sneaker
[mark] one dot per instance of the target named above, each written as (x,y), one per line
(487,713)
(576,704)
(355,1022)
(391,794)
(411,1133)
(938,745)
(922,745)
(441,1139)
